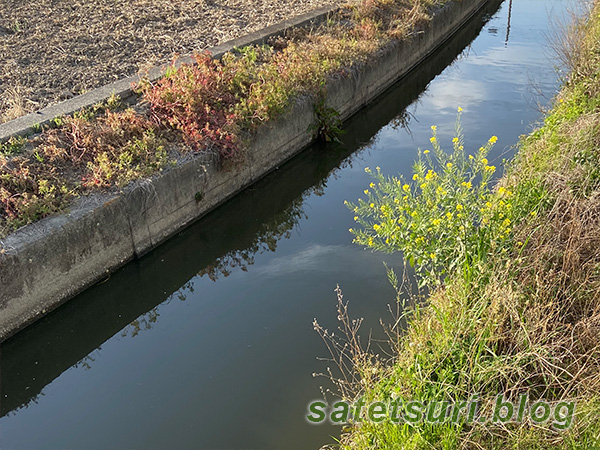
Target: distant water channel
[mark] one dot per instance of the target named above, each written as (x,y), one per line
(207,342)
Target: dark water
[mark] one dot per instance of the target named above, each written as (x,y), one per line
(207,342)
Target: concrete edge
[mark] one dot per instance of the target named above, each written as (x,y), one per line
(48,262)
(29,124)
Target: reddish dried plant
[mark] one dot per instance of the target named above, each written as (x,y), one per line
(195,99)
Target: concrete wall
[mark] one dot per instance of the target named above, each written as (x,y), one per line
(46,263)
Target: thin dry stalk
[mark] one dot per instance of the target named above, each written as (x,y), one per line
(356,366)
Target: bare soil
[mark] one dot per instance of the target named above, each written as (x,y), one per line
(51,50)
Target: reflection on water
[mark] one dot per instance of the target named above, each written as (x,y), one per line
(221,314)
(510,2)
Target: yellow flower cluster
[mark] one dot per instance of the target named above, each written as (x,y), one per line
(430,224)
(503,192)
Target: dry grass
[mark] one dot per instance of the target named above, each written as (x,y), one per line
(557,312)
(567,36)
(14,103)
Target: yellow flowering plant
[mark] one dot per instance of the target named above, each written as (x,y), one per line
(446,217)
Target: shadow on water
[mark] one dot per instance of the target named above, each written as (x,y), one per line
(223,241)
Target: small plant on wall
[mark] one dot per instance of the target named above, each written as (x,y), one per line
(328,127)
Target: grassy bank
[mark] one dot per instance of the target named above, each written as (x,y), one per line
(212,106)
(514,273)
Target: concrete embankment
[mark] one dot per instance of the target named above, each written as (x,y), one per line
(46,263)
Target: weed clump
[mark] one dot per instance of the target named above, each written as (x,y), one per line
(446,218)
(29,191)
(195,100)
(75,159)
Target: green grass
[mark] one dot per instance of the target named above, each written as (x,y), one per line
(13,146)
(511,315)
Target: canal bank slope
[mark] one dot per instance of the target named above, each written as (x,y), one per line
(47,262)
(517,318)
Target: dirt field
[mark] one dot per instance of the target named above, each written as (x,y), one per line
(51,50)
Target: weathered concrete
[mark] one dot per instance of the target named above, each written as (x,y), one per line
(46,263)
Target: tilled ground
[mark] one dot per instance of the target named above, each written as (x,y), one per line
(51,50)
